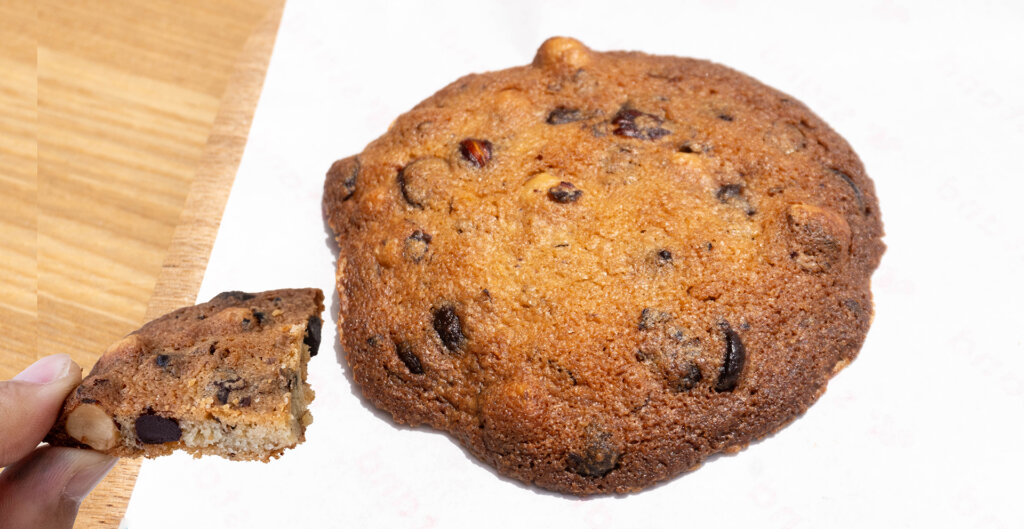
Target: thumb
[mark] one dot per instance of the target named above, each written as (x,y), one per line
(30,402)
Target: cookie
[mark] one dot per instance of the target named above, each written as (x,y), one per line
(599,269)
(226,377)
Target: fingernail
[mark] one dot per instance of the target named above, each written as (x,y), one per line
(94,466)
(46,370)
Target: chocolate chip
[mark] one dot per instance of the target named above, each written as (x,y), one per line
(734,192)
(564,193)
(449,327)
(664,256)
(245,402)
(598,459)
(201,317)
(694,147)
(226,382)
(312,337)
(728,192)
(477,152)
(233,294)
(89,401)
(342,177)
(732,364)
(153,429)
(689,377)
(416,246)
(649,318)
(246,322)
(724,117)
(163,360)
(409,358)
(561,115)
(260,316)
(633,123)
(404,187)
(853,186)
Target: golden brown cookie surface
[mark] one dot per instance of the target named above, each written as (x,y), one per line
(599,269)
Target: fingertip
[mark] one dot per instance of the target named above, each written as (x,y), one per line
(31,402)
(44,488)
(89,468)
(50,369)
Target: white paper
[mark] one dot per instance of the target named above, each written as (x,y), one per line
(922,430)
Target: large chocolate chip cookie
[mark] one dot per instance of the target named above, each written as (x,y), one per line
(597,270)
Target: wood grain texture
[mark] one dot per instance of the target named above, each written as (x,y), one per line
(18,187)
(195,233)
(121,127)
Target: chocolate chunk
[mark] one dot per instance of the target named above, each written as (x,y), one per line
(407,193)
(735,357)
(226,382)
(561,115)
(260,316)
(734,192)
(477,152)
(598,459)
(409,358)
(564,193)
(728,192)
(688,378)
(245,402)
(416,246)
(342,177)
(633,123)
(153,429)
(449,327)
(312,337)
(233,294)
(853,186)
(649,318)
(693,147)
(163,360)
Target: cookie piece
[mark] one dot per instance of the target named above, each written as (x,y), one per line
(598,269)
(226,377)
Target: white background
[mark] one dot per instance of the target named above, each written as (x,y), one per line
(924,429)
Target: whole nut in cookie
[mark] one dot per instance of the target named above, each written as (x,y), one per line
(90,424)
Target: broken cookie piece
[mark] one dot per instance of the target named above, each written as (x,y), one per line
(226,377)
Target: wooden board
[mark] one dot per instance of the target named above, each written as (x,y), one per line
(121,128)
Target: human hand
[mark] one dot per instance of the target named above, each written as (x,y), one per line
(42,487)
